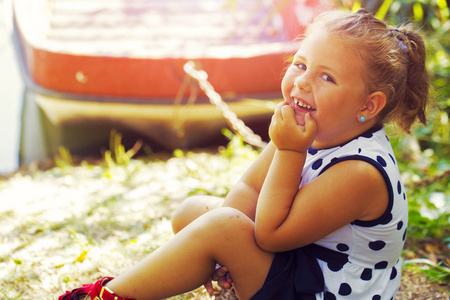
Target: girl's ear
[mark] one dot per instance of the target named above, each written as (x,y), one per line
(375,102)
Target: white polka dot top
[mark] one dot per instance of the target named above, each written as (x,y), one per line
(373,247)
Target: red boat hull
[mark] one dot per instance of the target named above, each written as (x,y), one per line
(54,38)
(151,78)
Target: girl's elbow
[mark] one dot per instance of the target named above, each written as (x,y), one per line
(274,241)
(266,241)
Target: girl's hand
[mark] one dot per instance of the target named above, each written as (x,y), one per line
(286,134)
(222,277)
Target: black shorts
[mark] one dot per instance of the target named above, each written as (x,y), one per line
(297,275)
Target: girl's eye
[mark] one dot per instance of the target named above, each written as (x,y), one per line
(300,66)
(327,77)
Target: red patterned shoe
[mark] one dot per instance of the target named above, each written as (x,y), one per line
(97,291)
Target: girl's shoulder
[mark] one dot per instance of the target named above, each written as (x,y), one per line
(372,146)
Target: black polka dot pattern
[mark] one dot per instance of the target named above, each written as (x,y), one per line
(366,274)
(376,297)
(381,265)
(393,160)
(313,151)
(400,225)
(381,161)
(342,247)
(386,219)
(377,245)
(393,273)
(399,187)
(317,164)
(329,296)
(334,267)
(345,289)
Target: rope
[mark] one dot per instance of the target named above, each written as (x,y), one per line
(236,124)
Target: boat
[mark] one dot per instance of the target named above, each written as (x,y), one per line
(122,64)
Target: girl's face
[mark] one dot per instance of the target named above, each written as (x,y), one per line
(325,78)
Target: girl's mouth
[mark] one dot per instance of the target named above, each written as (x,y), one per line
(302,106)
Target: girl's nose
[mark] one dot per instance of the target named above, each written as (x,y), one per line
(302,83)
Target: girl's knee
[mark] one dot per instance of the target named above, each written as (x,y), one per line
(228,220)
(183,214)
(191,208)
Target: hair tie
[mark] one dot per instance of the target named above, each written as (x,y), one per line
(404,44)
(402,38)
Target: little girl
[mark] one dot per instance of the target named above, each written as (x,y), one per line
(322,213)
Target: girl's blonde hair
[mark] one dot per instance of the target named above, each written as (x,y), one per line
(394,59)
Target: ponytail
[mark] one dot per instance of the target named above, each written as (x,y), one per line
(410,95)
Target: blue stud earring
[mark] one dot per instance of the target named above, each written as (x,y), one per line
(362,118)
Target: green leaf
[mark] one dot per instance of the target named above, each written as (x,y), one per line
(418,12)
(383,10)
(82,256)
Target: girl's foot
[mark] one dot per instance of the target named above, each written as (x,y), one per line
(94,291)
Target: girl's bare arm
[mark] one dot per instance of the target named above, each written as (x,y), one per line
(244,195)
(288,218)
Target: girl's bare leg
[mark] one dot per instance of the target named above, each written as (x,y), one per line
(192,208)
(223,235)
